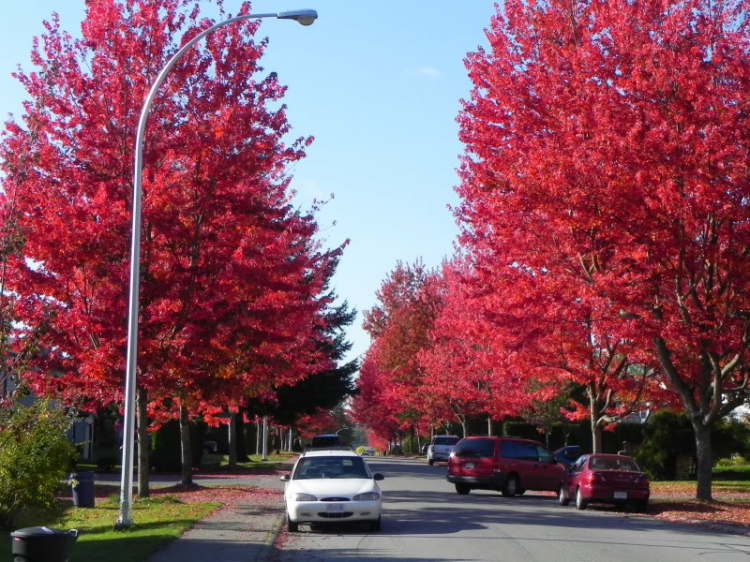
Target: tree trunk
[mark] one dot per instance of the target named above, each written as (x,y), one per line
(704,460)
(143,448)
(232,440)
(186,450)
(463,427)
(239,428)
(258,432)
(489,425)
(596,429)
(596,433)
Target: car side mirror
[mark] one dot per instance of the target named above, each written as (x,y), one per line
(378,476)
(285,478)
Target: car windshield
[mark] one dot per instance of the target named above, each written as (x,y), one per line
(446,440)
(613,463)
(475,448)
(572,453)
(331,467)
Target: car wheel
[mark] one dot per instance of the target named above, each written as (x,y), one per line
(581,502)
(462,489)
(375,525)
(292,526)
(511,487)
(562,496)
(430,462)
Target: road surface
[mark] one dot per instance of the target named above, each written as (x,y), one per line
(424,519)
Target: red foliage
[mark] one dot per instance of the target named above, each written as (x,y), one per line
(231,280)
(607,150)
(323,421)
(391,377)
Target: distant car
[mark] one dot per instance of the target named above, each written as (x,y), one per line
(329,487)
(599,478)
(326,441)
(569,455)
(210,447)
(440,448)
(368,452)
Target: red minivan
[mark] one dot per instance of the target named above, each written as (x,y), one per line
(506,464)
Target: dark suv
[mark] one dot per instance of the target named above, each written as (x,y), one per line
(506,464)
(326,441)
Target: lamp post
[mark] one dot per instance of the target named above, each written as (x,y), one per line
(124,520)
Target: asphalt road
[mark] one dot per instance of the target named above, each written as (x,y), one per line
(424,520)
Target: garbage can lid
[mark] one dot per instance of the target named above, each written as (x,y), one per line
(38,532)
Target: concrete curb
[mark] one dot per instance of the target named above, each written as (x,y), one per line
(268,549)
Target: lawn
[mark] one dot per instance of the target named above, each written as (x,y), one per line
(216,462)
(160,520)
(686,488)
(221,462)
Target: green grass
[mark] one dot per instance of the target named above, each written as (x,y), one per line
(221,462)
(158,522)
(717,486)
(734,472)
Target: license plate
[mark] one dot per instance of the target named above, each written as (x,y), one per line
(335,508)
(469,465)
(621,495)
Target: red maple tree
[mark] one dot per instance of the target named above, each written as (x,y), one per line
(231,279)
(410,299)
(607,148)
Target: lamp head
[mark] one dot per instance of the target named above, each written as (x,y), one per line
(305,17)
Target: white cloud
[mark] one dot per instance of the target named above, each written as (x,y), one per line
(426,71)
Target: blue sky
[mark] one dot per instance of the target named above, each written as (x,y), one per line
(378,85)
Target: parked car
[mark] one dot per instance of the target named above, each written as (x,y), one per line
(326,441)
(332,486)
(440,448)
(368,452)
(605,479)
(569,455)
(506,464)
(210,447)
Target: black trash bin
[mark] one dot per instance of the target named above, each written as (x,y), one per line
(83,488)
(41,544)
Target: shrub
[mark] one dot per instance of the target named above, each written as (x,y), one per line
(669,435)
(34,457)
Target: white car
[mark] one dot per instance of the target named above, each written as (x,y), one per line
(332,486)
(440,448)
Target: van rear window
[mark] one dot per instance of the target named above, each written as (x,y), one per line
(475,448)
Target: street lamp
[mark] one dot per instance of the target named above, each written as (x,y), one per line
(305,17)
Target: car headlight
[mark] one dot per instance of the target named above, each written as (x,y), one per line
(305,498)
(366,497)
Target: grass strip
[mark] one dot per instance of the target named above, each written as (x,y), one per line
(159,521)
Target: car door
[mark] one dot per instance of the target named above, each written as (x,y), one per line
(550,471)
(571,481)
(527,465)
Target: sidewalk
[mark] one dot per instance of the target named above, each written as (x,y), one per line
(242,532)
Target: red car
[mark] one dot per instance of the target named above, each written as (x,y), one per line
(508,465)
(605,479)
